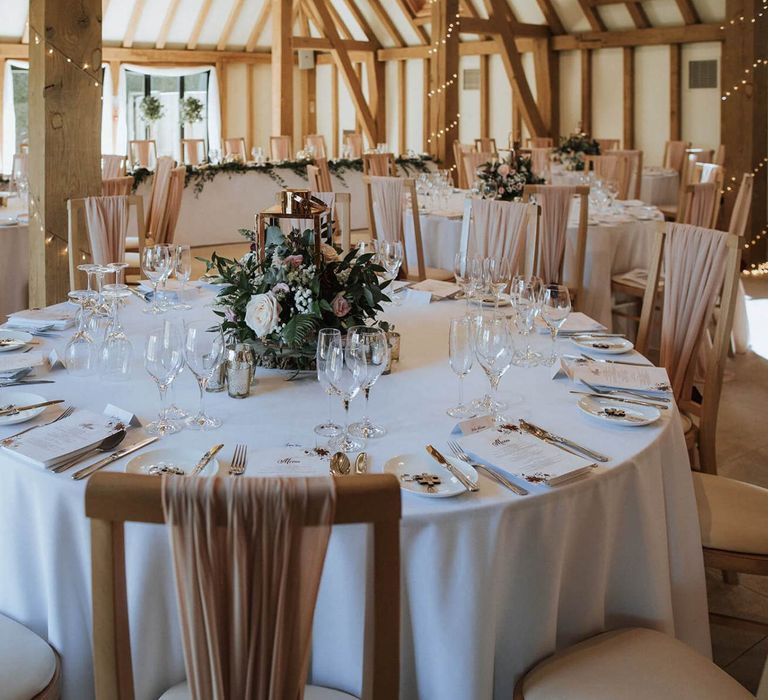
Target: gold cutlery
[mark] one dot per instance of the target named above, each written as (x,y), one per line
(87,471)
(619,399)
(207,457)
(560,441)
(463,480)
(107,444)
(636,393)
(361,463)
(612,362)
(14,410)
(458,450)
(24,382)
(239,460)
(340,465)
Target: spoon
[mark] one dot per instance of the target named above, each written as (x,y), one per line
(340,465)
(106,445)
(361,463)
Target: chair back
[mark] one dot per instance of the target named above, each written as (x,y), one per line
(143,153)
(471,162)
(742,206)
(354,143)
(158,198)
(703,155)
(113,499)
(555,202)
(96,231)
(317,143)
(319,176)
(674,154)
(459,149)
(486,144)
(112,166)
(702,205)
(635,163)
(541,162)
(496,229)
(173,207)
(117,186)
(539,142)
(720,155)
(379,164)
(193,151)
(708,172)
(607,144)
(341,216)
(614,167)
(280,147)
(234,146)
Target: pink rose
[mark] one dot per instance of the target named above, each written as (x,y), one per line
(341,307)
(503,170)
(281,288)
(294,260)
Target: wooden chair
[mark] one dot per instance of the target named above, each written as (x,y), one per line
(234,147)
(720,155)
(674,154)
(576,284)
(487,145)
(355,144)
(459,151)
(418,271)
(379,164)
(117,185)
(341,203)
(112,499)
(280,147)
(470,162)
(319,176)
(702,200)
(607,144)
(614,167)
(143,153)
(29,666)
(317,142)
(78,243)
(635,171)
(687,174)
(539,142)
(631,662)
(112,166)
(193,151)
(703,155)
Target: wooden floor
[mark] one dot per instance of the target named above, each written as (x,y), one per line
(742,454)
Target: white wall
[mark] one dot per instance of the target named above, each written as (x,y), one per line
(652,101)
(701,107)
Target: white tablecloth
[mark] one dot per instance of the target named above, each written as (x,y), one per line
(659,186)
(492,582)
(14,262)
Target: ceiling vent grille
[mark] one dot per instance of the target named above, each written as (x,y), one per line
(702,74)
(471,79)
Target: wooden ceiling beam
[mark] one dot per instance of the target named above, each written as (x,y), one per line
(322,44)
(386,20)
(345,32)
(202,15)
(477,25)
(637,13)
(133,22)
(594,19)
(232,17)
(162,35)
(688,11)
(550,14)
(411,18)
(652,36)
(258,28)
(362,21)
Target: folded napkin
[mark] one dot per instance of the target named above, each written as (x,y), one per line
(608,375)
(437,288)
(577,322)
(57,317)
(11,363)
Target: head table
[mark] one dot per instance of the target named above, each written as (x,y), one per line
(491,581)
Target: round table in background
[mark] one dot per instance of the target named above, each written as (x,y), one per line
(14,261)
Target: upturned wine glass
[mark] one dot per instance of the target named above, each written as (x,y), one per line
(203,352)
(372,346)
(555,307)
(346,373)
(525,308)
(80,355)
(493,347)
(156,265)
(326,339)
(116,351)
(163,360)
(461,354)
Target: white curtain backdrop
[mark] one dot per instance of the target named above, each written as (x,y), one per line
(8,146)
(214,105)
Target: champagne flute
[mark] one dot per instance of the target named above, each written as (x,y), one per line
(325,341)
(163,360)
(493,347)
(461,356)
(555,307)
(203,352)
(155,264)
(182,269)
(372,345)
(346,373)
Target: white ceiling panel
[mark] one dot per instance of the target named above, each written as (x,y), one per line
(241,30)
(13,18)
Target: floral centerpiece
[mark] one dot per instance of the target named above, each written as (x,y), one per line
(277,302)
(507,176)
(572,150)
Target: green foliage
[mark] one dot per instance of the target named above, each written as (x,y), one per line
(151,109)
(190,110)
(572,150)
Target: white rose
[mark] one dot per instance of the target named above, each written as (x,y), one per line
(262,314)
(329,253)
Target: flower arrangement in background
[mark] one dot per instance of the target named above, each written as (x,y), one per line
(505,179)
(151,109)
(278,303)
(190,110)
(572,150)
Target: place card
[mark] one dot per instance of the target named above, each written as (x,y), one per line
(10,362)
(437,288)
(291,460)
(122,415)
(608,375)
(520,454)
(473,425)
(54,361)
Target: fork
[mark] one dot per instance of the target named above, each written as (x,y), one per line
(66,413)
(464,457)
(239,460)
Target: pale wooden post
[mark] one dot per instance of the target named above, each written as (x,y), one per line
(64,132)
(444,103)
(282,68)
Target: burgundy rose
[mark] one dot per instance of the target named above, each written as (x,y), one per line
(341,307)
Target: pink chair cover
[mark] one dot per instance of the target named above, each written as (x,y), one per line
(675,155)
(235,147)
(280,147)
(112,167)
(694,267)
(541,162)
(387,198)
(173,207)
(540,142)
(500,231)
(107,223)
(378,164)
(117,186)
(193,151)
(355,144)
(555,202)
(158,198)
(317,141)
(247,575)
(472,161)
(141,153)
(702,204)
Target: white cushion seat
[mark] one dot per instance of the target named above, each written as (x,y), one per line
(27,662)
(311,692)
(631,664)
(733,515)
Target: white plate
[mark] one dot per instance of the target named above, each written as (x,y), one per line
(182,457)
(20,398)
(8,221)
(616,346)
(420,464)
(504,300)
(20,337)
(635,415)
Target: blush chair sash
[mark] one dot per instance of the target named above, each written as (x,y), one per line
(114,186)
(555,202)
(387,198)
(702,204)
(107,220)
(499,231)
(158,198)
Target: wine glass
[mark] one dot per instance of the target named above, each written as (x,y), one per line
(497,274)
(461,356)
(116,351)
(373,348)
(555,307)
(462,271)
(325,341)
(493,347)
(345,372)
(203,352)
(80,355)
(163,360)
(155,264)
(182,269)
(476,279)
(390,255)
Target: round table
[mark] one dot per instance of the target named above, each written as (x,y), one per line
(14,261)
(491,582)
(659,186)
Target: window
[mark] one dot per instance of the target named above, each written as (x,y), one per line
(20,78)
(170,90)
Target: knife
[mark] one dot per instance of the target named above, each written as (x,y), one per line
(19,409)
(466,483)
(23,382)
(561,441)
(207,457)
(637,402)
(87,471)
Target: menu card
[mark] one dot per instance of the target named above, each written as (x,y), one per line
(608,375)
(437,288)
(290,460)
(58,442)
(511,450)
(576,322)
